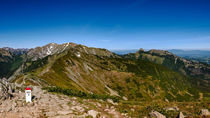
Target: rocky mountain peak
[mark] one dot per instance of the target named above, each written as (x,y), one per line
(160,52)
(41,52)
(5,55)
(18,51)
(4,52)
(141,50)
(53,48)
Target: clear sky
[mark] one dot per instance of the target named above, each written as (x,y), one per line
(111,24)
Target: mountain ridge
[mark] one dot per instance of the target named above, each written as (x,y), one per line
(95,70)
(196,70)
(77,67)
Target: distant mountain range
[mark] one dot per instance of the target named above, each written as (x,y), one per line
(122,52)
(191,53)
(194,55)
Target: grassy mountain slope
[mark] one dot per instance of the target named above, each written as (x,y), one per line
(99,71)
(9,63)
(198,72)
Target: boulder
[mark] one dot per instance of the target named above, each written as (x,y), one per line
(204,112)
(93,113)
(180,115)
(172,109)
(125,98)
(156,114)
(6,90)
(111,102)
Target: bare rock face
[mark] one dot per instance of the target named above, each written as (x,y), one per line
(156,114)
(204,112)
(6,89)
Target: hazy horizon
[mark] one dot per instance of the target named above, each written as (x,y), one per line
(184,49)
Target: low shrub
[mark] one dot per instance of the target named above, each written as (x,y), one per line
(81,94)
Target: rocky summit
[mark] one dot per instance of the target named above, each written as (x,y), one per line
(72,80)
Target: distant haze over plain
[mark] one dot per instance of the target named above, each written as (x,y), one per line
(179,52)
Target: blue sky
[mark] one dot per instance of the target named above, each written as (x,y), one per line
(111,24)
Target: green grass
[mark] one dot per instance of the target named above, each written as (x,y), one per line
(143,108)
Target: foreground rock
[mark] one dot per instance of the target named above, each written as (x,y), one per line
(45,104)
(6,89)
(204,112)
(156,114)
(172,109)
(93,113)
(180,115)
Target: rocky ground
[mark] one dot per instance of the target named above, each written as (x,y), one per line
(55,106)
